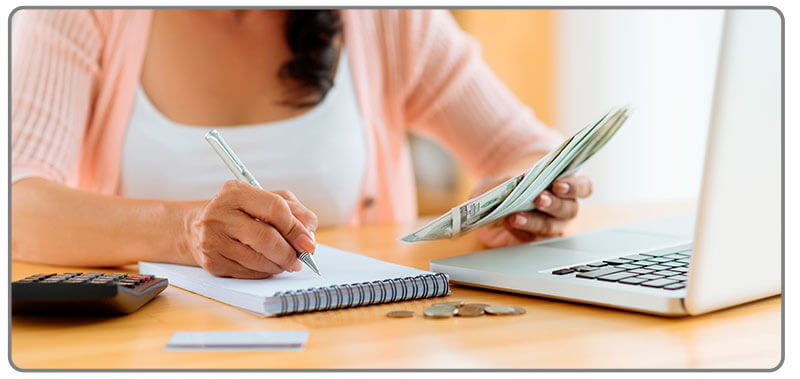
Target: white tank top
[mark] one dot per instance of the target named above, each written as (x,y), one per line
(320,155)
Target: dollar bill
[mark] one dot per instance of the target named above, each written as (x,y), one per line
(470,211)
(517,194)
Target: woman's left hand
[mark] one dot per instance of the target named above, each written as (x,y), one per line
(554,208)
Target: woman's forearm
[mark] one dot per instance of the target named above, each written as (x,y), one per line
(56,224)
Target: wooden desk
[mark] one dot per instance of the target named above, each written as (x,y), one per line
(552,334)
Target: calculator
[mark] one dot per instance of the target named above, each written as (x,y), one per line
(84,293)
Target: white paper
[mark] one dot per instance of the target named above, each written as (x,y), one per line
(338,267)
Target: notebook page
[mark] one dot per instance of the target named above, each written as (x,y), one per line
(337,267)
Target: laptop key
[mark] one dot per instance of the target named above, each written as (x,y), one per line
(627,266)
(666,273)
(616,276)
(682,278)
(673,256)
(640,271)
(673,264)
(683,260)
(635,280)
(659,259)
(658,283)
(680,269)
(650,276)
(615,261)
(640,263)
(657,267)
(658,254)
(563,271)
(597,264)
(599,272)
(636,257)
(585,269)
(674,286)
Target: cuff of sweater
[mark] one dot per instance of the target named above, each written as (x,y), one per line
(22,170)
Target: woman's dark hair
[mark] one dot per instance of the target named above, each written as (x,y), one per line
(310,34)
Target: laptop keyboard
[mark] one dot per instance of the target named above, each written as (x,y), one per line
(667,270)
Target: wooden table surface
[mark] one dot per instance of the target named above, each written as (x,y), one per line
(552,334)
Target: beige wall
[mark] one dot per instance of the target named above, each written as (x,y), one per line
(518,45)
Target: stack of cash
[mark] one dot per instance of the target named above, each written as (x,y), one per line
(517,194)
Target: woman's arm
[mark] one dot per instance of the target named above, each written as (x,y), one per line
(452,95)
(55,224)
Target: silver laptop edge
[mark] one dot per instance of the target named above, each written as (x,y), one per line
(737,250)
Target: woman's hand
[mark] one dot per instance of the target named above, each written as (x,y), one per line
(246,232)
(554,208)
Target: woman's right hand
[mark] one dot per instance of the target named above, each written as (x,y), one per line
(246,232)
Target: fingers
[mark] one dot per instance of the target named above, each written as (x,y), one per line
(497,237)
(305,215)
(573,187)
(273,209)
(557,207)
(246,256)
(266,249)
(535,224)
(222,266)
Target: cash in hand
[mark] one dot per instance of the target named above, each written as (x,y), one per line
(517,194)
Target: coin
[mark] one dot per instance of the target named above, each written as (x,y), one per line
(504,310)
(439,312)
(481,305)
(400,314)
(452,303)
(470,310)
(445,308)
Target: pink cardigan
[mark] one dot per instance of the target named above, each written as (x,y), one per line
(74,74)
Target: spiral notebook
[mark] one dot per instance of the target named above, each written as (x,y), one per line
(348,280)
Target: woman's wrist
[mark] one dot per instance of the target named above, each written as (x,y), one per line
(178,247)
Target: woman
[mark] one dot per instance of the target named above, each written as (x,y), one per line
(109,107)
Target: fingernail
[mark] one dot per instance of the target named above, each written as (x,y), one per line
(519,220)
(313,237)
(544,201)
(304,243)
(561,188)
(297,266)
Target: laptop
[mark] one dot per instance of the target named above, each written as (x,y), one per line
(728,253)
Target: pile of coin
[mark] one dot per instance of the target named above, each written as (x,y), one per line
(460,309)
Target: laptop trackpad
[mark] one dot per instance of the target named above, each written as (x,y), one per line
(613,242)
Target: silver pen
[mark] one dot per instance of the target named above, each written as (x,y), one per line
(242,173)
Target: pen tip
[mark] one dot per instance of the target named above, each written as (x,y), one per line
(306,258)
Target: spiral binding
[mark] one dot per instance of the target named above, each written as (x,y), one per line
(366,293)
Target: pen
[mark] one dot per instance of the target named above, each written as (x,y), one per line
(242,173)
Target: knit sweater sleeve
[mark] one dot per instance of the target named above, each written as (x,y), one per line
(54,69)
(450,94)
